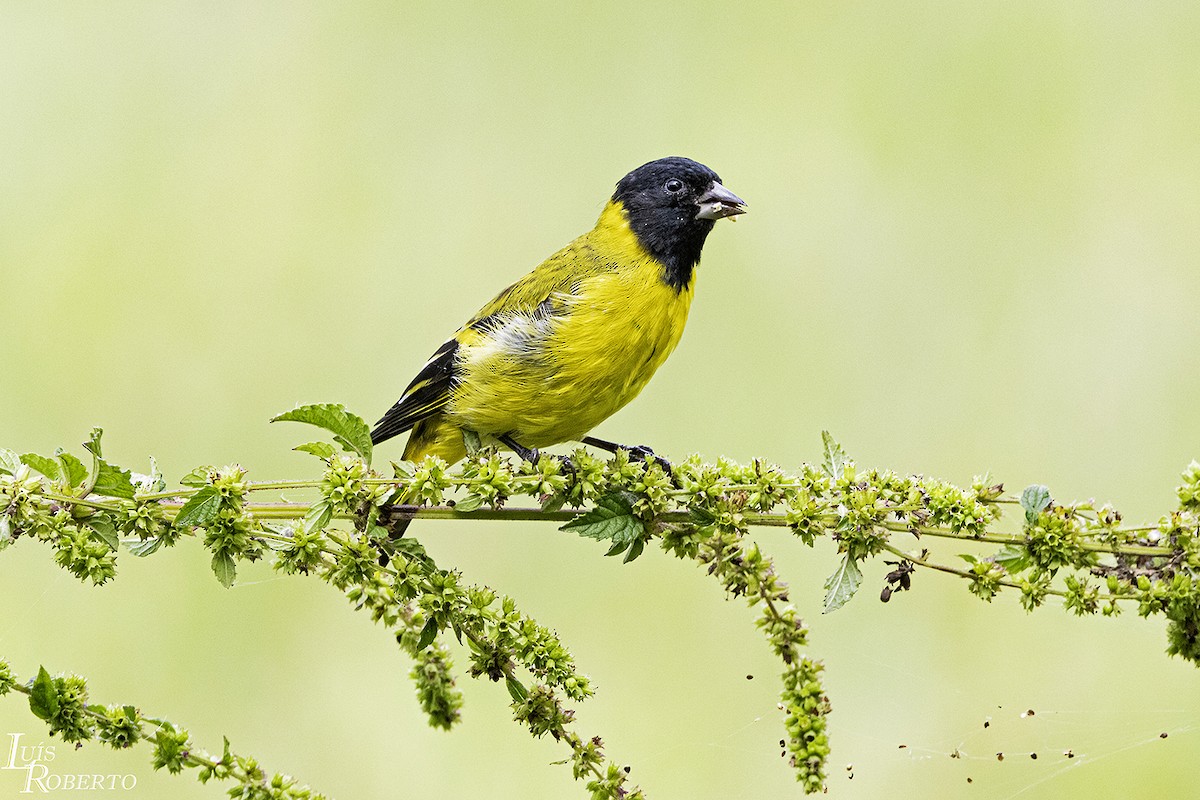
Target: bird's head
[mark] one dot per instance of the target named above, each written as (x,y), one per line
(671,205)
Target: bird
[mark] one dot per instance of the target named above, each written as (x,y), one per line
(566,346)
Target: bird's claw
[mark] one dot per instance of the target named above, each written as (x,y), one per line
(645,454)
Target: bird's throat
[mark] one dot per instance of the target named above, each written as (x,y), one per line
(674,243)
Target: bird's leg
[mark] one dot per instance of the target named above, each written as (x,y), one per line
(532,454)
(529,454)
(638,453)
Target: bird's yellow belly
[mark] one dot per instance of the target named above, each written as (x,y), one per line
(552,379)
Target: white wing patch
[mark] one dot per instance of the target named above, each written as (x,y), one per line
(520,335)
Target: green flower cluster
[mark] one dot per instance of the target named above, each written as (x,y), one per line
(1178,598)
(145,520)
(217,510)
(352,535)
(425,483)
(119,727)
(860,511)
(172,748)
(609,783)
(408,594)
(715,536)
(347,485)
(1189,491)
(439,696)
(81,551)
(984,576)
(489,479)
(62,702)
(805,704)
(83,545)
(1053,540)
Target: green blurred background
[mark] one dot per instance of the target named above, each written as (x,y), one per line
(973,245)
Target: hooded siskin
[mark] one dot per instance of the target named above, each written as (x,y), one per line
(569,344)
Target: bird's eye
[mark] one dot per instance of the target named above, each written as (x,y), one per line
(674,186)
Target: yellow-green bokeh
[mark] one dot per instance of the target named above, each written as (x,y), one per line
(973,245)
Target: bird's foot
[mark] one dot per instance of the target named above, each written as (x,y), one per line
(643,453)
(638,453)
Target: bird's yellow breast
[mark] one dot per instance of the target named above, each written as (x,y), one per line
(550,374)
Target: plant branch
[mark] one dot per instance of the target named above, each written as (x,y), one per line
(349,532)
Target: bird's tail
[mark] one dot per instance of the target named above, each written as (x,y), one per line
(387,547)
(435,436)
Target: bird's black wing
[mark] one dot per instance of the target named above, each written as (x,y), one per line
(425,396)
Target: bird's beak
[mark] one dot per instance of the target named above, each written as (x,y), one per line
(719,202)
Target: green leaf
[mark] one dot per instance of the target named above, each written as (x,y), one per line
(611,520)
(842,584)
(156,482)
(196,478)
(113,481)
(318,516)
(10,462)
(1013,557)
(92,445)
(472,502)
(617,549)
(410,547)
(43,696)
(967,557)
(407,546)
(1034,500)
(554,502)
(103,526)
(515,689)
(471,441)
(635,550)
(201,509)
(72,468)
(428,634)
(145,547)
(224,568)
(835,461)
(322,450)
(403,469)
(226,756)
(47,466)
(348,429)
